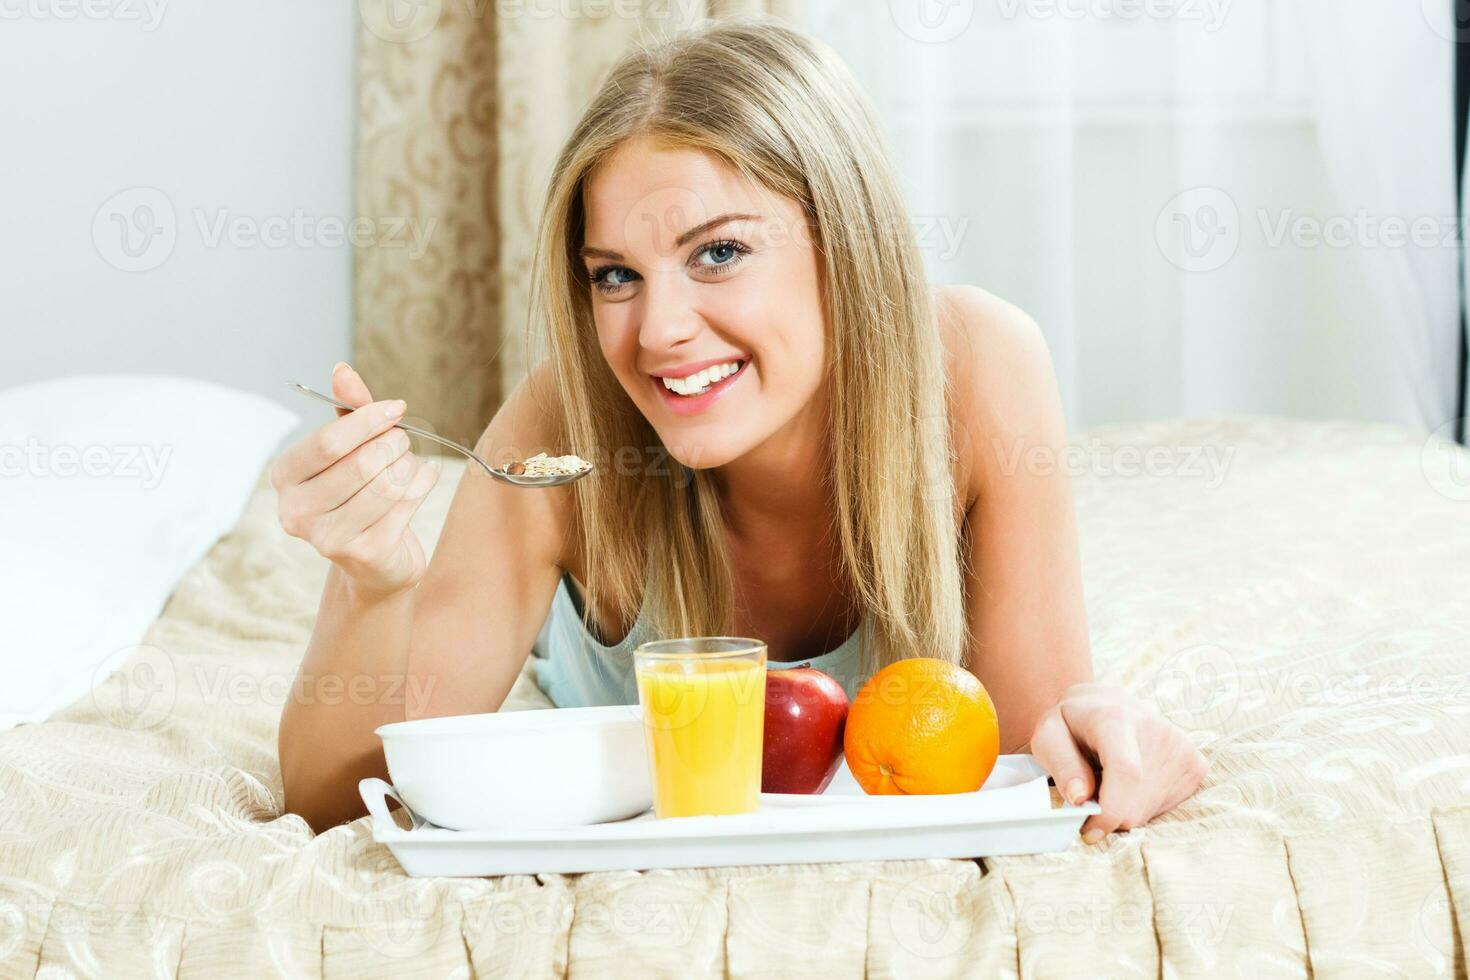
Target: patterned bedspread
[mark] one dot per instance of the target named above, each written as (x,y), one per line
(1296,594)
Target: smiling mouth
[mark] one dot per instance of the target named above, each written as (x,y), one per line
(700,382)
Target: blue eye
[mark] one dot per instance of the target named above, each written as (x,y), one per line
(609,278)
(716,258)
(724,254)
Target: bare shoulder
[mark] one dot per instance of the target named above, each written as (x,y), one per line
(1003,387)
(984,332)
(528,416)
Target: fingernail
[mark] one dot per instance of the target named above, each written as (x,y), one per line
(1076,791)
(1092,836)
(395,408)
(338,366)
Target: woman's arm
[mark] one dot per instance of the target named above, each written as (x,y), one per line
(452,643)
(1024,578)
(495,570)
(1029,642)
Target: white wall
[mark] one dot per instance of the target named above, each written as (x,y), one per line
(214,109)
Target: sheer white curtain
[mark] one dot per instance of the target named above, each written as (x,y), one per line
(1385,94)
(1157,182)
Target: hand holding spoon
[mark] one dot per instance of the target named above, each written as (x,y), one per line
(515,479)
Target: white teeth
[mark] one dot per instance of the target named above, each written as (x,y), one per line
(697,382)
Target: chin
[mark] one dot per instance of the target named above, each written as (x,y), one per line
(701,454)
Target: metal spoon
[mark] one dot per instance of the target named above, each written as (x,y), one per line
(515,479)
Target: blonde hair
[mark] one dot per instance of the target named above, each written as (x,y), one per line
(783,111)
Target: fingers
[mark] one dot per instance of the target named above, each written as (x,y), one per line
(1127,793)
(348,386)
(369,529)
(337,484)
(351,487)
(1148,765)
(1056,752)
(341,535)
(390,528)
(1192,769)
(334,441)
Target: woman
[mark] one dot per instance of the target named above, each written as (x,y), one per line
(797,439)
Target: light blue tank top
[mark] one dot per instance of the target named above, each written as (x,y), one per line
(574,670)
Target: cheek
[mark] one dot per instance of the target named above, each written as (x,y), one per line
(791,310)
(800,371)
(617,338)
(774,317)
(791,347)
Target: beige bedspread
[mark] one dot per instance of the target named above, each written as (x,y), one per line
(1304,611)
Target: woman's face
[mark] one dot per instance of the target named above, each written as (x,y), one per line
(705,291)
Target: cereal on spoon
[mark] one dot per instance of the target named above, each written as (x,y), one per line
(544,465)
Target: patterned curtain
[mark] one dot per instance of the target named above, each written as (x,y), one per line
(463,105)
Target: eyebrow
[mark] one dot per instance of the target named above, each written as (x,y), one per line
(588,251)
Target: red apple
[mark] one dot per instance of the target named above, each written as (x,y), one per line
(806,711)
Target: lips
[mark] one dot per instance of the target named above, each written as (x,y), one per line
(686,370)
(693,404)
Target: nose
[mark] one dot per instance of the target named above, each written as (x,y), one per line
(670,315)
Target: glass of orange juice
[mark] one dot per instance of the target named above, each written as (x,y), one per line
(704,710)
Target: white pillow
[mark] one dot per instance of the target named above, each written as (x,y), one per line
(111,487)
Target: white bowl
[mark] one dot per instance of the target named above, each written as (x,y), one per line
(552,767)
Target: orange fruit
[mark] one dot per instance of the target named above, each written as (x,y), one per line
(921,726)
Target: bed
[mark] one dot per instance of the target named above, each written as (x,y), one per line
(1294,593)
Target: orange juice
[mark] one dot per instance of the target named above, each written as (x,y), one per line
(703,721)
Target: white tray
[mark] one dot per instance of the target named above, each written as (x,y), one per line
(1011,814)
